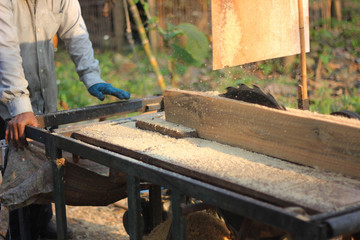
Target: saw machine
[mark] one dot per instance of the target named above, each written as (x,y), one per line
(308,202)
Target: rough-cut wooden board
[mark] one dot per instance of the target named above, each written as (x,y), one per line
(317,140)
(279,182)
(157,123)
(248,31)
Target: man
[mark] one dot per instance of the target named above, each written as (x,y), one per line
(27,76)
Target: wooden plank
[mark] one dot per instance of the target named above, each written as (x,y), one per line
(316,140)
(259,176)
(157,123)
(249,31)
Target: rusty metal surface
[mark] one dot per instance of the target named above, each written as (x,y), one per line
(318,226)
(93,112)
(216,196)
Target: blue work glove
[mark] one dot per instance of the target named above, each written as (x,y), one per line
(100,89)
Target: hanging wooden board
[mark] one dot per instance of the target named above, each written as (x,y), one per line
(250,31)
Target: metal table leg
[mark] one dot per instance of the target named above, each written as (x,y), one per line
(133,187)
(245,229)
(156,205)
(59,195)
(24,223)
(178,220)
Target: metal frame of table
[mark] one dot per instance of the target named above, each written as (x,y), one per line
(317,226)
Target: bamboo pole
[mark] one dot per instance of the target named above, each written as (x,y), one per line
(131,40)
(152,32)
(303,101)
(146,44)
(128,28)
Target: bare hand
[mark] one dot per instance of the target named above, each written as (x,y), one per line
(15,130)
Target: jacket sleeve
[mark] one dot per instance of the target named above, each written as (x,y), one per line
(13,85)
(76,37)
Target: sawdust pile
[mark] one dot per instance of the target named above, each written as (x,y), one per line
(199,226)
(301,185)
(96,223)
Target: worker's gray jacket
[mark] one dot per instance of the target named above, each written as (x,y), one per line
(31,25)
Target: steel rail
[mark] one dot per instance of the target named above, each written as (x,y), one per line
(97,111)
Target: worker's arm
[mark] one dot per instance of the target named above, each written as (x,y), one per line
(14,96)
(15,130)
(75,35)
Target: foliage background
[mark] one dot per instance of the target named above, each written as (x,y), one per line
(333,70)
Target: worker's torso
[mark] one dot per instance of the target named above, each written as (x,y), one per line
(37,22)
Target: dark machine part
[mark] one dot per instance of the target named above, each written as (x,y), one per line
(346,223)
(252,95)
(243,227)
(146,217)
(346,113)
(144,220)
(4,153)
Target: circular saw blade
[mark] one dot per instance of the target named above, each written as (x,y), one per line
(252,95)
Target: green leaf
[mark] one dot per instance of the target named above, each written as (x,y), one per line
(325,58)
(170,27)
(180,54)
(197,44)
(181,68)
(174,34)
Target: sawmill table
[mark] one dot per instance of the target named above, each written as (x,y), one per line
(322,224)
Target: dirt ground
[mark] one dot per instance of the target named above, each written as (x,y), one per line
(106,223)
(97,223)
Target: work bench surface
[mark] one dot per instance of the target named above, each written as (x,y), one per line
(272,180)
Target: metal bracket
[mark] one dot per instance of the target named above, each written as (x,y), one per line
(4,155)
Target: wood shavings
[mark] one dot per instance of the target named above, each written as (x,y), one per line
(60,162)
(199,226)
(305,186)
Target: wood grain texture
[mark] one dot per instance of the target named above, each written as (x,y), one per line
(157,123)
(249,31)
(316,140)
